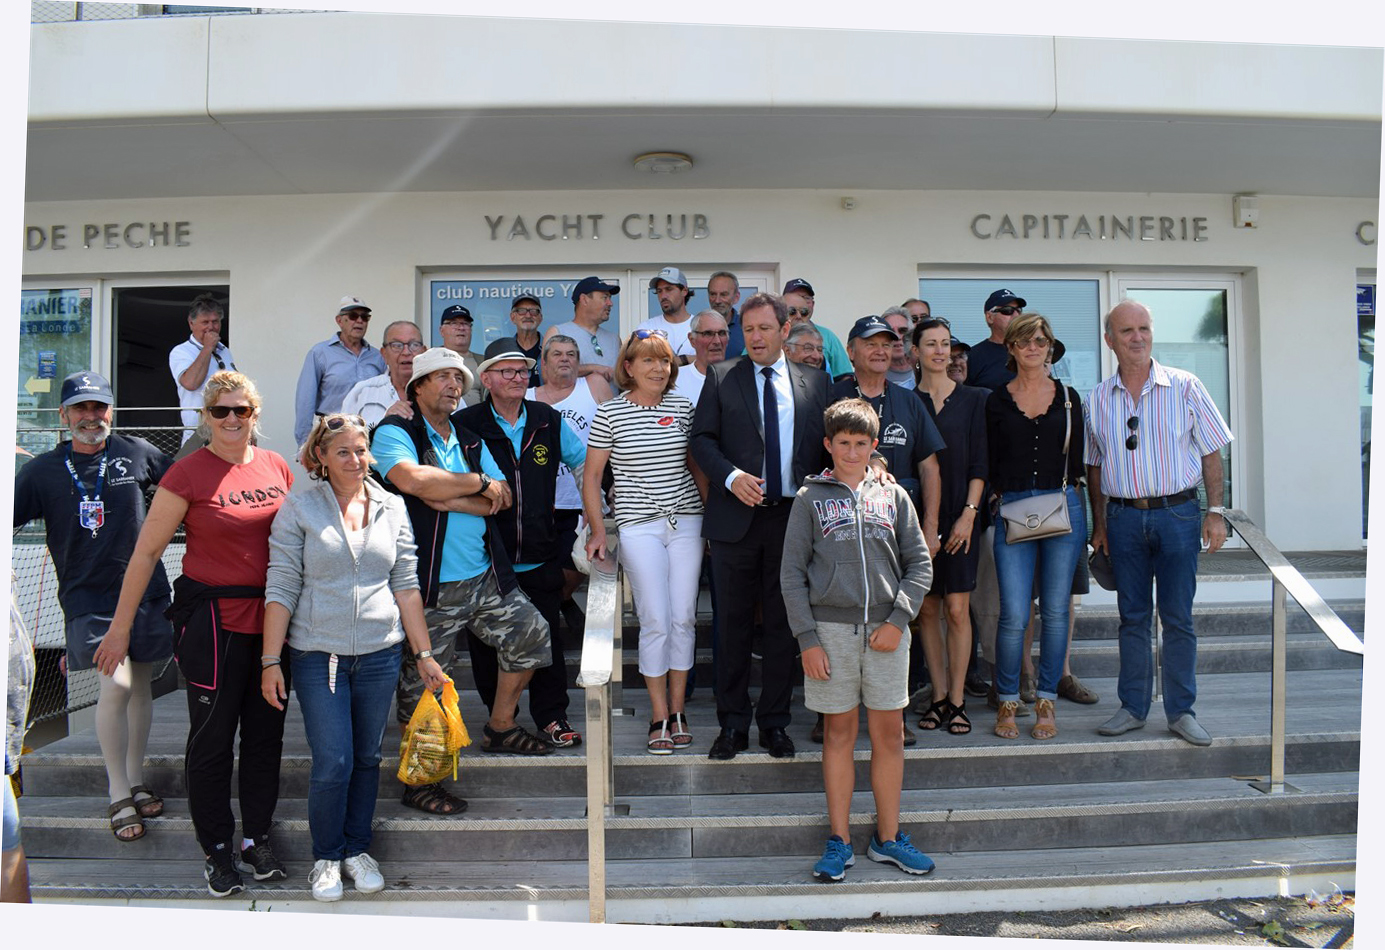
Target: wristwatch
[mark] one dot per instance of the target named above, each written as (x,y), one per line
(485,483)
(422,655)
(1216,510)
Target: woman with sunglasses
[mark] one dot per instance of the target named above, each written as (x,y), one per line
(226,495)
(960,414)
(1035,439)
(643,434)
(343,591)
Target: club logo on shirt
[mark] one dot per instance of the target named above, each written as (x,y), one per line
(894,434)
(540,455)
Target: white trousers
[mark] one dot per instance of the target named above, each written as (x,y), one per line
(664,565)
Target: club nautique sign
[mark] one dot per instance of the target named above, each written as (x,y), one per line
(1096,227)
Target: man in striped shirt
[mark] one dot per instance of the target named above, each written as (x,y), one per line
(1153,433)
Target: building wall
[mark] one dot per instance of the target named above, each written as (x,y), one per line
(288,259)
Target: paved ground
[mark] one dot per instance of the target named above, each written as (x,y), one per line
(1314,921)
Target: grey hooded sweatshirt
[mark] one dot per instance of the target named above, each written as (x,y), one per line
(852,557)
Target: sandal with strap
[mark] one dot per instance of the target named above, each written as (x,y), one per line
(937,713)
(1005,720)
(660,741)
(960,723)
(151,807)
(120,824)
(433,799)
(515,740)
(678,731)
(1046,720)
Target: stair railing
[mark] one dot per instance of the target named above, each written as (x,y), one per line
(1287,580)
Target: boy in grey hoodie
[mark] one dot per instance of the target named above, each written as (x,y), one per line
(855,570)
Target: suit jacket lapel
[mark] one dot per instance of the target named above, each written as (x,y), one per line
(746,381)
(800,399)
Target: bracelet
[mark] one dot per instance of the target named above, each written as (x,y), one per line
(972,507)
(267,661)
(423,655)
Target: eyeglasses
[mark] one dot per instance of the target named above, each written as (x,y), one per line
(646,334)
(221,412)
(716,333)
(800,311)
(1133,439)
(526,311)
(398,346)
(1008,311)
(510,372)
(335,422)
(807,347)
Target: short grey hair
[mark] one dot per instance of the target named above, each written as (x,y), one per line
(401,323)
(695,326)
(895,312)
(800,330)
(728,275)
(555,339)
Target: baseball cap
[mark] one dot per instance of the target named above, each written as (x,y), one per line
(434,359)
(870,326)
(671,274)
(515,303)
(966,347)
(1102,572)
(1002,297)
(799,286)
(352,303)
(589,285)
(456,312)
(502,357)
(86,386)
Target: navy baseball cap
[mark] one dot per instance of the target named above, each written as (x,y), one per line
(965,347)
(516,302)
(86,386)
(588,285)
(456,312)
(1002,297)
(870,326)
(799,286)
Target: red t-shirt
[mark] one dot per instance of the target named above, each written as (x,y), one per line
(230,511)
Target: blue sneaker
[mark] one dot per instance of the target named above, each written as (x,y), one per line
(900,853)
(836,858)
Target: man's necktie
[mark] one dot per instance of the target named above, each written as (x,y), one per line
(774,483)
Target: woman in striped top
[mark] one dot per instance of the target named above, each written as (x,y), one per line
(643,434)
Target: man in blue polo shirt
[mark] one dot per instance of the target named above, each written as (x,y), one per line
(334,366)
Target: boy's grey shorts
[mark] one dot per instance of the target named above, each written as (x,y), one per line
(510,624)
(859,675)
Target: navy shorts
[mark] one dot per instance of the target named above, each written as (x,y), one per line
(151,635)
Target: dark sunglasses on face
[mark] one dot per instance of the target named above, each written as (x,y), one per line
(1133,439)
(1007,311)
(800,312)
(357,315)
(221,412)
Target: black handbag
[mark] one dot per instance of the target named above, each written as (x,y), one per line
(1042,516)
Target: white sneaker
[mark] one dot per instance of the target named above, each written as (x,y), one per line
(325,878)
(364,870)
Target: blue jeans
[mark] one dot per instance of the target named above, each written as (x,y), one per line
(1160,544)
(1055,559)
(345,728)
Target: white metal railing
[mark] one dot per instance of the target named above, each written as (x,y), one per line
(1287,579)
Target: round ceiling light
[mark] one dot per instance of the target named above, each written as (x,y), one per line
(663,163)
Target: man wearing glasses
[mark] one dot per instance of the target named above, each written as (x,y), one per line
(455,327)
(708,337)
(902,362)
(803,345)
(1153,433)
(193,361)
(596,346)
(526,313)
(916,309)
(335,365)
(986,361)
(384,395)
(799,296)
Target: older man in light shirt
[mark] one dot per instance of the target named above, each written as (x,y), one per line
(384,395)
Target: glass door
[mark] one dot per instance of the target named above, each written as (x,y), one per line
(55,340)
(1365,354)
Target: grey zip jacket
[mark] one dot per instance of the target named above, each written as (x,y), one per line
(340,603)
(852,557)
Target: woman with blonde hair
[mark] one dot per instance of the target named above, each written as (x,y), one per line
(226,495)
(643,434)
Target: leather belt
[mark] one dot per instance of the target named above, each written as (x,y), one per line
(1158,501)
(771,502)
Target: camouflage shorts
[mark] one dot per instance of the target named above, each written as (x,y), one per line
(510,624)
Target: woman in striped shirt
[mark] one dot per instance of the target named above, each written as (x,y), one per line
(643,434)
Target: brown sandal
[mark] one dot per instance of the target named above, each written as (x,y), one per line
(514,739)
(433,799)
(1005,720)
(120,824)
(1046,721)
(151,807)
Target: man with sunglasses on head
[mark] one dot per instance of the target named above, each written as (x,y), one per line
(455,325)
(798,295)
(986,360)
(526,313)
(193,361)
(384,395)
(1153,433)
(597,347)
(333,366)
(673,293)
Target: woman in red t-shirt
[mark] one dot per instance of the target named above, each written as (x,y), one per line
(226,495)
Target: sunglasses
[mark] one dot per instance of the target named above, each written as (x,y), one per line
(357,315)
(1133,439)
(800,311)
(1007,311)
(596,346)
(646,334)
(221,412)
(335,422)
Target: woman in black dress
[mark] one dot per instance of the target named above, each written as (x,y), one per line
(960,415)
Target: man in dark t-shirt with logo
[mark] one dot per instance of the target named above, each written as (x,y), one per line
(986,360)
(90,493)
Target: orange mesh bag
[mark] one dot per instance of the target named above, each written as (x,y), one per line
(433,737)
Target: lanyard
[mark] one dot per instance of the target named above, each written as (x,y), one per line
(91,514)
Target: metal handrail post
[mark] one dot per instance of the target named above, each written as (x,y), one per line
(1279,693)
(1158,639)
(618,707)
(599,792)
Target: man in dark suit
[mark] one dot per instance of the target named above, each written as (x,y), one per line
(755,448)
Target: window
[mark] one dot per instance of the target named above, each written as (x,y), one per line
(1365,354)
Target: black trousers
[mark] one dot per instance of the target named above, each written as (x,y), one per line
(214,716)
(548,698)
(743,573)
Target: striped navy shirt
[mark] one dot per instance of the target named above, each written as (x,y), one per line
(649,457)
(1179,424)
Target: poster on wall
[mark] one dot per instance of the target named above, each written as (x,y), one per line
(489,302)
(54,341)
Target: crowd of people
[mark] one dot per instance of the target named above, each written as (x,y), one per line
(866,507)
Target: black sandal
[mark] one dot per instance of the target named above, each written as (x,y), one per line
(515,740)
(960,723)
(433,799)
(120,824)
(151,807)
(933,719)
